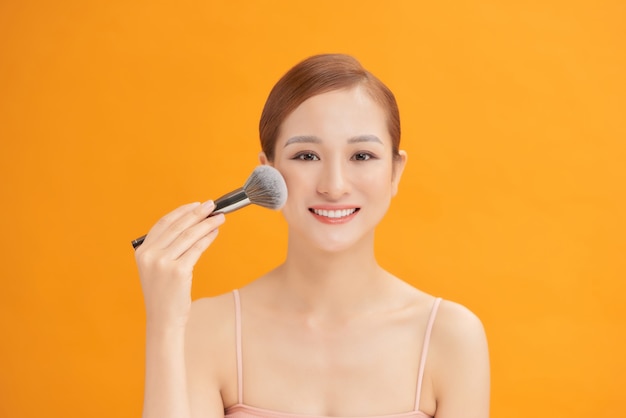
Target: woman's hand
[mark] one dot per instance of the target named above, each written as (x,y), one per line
(166,260)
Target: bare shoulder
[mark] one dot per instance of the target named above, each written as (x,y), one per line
(460,362)
(216,305)
(210,335)
(210,353)
(457,324)
(211,320)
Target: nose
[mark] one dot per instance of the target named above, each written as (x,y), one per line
(333,181)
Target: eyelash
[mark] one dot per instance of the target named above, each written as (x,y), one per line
(367,156)
(311,156)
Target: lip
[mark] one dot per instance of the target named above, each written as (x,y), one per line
(334,221)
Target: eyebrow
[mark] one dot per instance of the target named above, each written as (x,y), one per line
(315,140)
(364,138)
(303,139)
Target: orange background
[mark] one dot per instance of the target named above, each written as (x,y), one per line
(114,112)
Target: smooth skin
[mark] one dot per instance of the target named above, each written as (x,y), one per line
(328,332)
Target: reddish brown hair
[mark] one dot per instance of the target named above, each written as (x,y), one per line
(321,74)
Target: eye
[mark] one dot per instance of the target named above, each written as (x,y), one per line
(306,156)
(362,156)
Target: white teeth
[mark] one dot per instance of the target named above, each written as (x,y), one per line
(334,213)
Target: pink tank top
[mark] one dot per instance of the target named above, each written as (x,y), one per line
(241,410)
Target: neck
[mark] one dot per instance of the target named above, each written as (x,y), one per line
(327,283)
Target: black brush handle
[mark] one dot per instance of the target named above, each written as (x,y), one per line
(225,204)
(138,241)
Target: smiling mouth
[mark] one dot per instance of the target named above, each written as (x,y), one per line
(334,214)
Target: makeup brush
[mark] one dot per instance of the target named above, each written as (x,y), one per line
(265,187)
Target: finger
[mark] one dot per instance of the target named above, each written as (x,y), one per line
(186,220)
(190,257)
(165,222)
(191,235)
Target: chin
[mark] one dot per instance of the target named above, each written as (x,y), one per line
(334,248)
(340,243)
(333,239)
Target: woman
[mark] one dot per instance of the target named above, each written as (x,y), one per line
(328,332)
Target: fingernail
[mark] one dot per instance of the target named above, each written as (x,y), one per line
(209,204)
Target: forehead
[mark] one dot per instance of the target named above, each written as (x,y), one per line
(336,114)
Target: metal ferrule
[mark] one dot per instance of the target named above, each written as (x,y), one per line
(231,201)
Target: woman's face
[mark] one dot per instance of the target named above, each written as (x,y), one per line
(335,154)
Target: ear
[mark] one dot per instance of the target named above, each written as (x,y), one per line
(263,159)
(398,168)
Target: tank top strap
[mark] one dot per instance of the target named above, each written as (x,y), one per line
(420,373)
(239,350)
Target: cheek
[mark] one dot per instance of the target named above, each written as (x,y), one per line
(376,178)
(293,180)
(297,183)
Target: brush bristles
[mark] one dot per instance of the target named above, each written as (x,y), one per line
(266,187)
